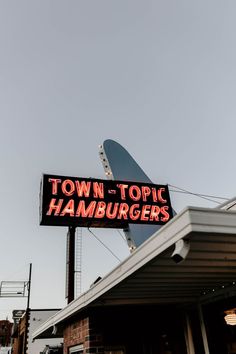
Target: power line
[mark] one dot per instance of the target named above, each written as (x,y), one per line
(199,194)
(104,245)
(203,196)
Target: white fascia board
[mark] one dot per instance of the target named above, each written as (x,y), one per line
(227,205)
(191,219)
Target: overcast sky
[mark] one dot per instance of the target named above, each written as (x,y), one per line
(159,77)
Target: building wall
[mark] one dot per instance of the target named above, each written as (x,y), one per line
(23,343)
(129,330)
(75,333)
(5,333)
(36,318)
(84,332)
(19,337)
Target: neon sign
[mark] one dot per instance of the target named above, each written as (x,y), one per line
(67,201)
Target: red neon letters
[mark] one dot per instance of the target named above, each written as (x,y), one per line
(131,202)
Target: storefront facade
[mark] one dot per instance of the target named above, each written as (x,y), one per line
(156,303)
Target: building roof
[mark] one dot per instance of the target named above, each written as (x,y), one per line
(150,275)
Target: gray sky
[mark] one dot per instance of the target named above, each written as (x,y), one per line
(159,77)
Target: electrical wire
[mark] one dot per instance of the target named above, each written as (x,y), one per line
(179,190)
(203,196)
(104,245)
(199,194)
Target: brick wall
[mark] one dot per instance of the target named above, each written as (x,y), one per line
(127,329)
(83,331)
(76,333)
(19,344)
(5,333)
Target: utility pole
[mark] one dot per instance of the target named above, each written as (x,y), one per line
(27,311)
(29,286)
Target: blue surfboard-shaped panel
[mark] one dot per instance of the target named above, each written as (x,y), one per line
(120,165)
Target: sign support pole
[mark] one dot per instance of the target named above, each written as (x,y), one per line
(71,264)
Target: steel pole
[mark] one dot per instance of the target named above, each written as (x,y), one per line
(71,264)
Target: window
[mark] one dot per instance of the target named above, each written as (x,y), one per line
(78,349)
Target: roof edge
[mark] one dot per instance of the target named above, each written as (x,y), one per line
(190,219)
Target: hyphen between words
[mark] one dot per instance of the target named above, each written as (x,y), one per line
(88,200)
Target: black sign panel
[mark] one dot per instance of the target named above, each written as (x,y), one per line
(76,201)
